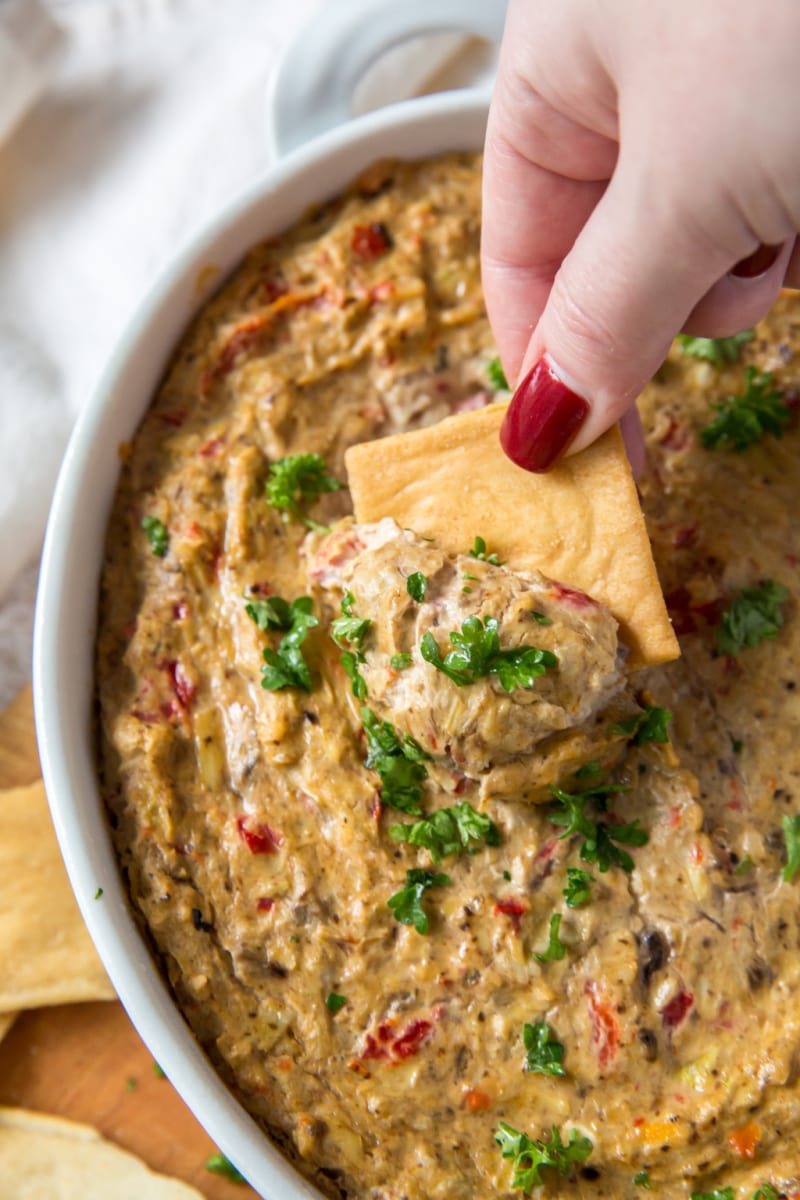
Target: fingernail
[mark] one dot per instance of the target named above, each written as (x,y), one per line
(756,263)
(542,419)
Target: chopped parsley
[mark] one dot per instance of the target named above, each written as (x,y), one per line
(479,551)
(407,903)
(744,419)
(765,1192)
(744,866)
(725,1193)
(286,667)
(157,535)
(131,1084)
(449,831)
(399,662)
(218,1164)
(98,893)
(718,351)
(417,586)
(496,375)
(791,835)
(476,652)
(398,761)
(555,947)
(529,1156)
(599,837)
(273,612)
(647,726)
(295,483)
(541,618)
(333,1002)
(579,887)
(543,1055)
(158,1071)
(350,630)
(754,615)
(642,1179)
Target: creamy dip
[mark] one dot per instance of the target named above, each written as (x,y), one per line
(258,853)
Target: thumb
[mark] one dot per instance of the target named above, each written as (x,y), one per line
(630,281)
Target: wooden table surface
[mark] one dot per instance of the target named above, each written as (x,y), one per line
(86,1061)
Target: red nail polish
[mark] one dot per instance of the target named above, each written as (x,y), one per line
(542,419)
(756,263)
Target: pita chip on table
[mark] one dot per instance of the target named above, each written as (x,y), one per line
(46,955)
(48,1158)
(580,524)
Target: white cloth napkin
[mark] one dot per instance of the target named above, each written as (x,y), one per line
(153,117)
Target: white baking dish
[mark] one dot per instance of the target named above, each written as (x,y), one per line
(311,96)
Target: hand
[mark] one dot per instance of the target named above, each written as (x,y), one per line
(642,176)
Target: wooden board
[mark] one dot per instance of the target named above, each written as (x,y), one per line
(86,1061)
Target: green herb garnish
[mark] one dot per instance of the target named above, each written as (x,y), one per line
(407,903)
(131,1084)
(744,866)
(295,483)
(333,1002)
(753,616)
(158,1072)
(541,618)
(98,893)
(715,350)
(399,662)
(398,762)
(286,667)
(642,1179)
(358,683)
(555,947)
(725,1193)
(529,1156)
(449,831)
(579,887)
(350,630)
(599,837)
(791,835)
(218,1164)
(273,612)
(157,535)
(479,551)
(647,726)
(544,1055)
(744,419)
(496,375)
(765,1192)
(477,653)
(417,586)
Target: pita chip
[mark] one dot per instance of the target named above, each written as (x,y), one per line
(580,524)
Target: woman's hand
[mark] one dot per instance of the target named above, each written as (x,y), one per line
(642,176)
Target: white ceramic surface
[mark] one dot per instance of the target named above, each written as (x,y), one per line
(66,605)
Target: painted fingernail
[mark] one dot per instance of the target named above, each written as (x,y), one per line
(756,263)
(542,419)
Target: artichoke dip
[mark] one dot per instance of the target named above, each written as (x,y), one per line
(457,905)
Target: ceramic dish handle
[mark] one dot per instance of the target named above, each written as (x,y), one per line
(313,84)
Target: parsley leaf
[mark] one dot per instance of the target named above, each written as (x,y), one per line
(791,835)
(599,837)
(398,762)
(157,535)
(744,419)
(350,630)
(274,612)
(725,1193)
(449,831)
(541,618)
(753,616)
(399,662)
(496,375)
(765,1192)
(218,1164)
(296,482)
(407,903)
(477,653)
(579,887)
(544,1055)
(642,1179)
(715,350)
(529,1156)
(333,1002)
(417,586)
(647,726)
(479,551)
(555,947)
(286,666)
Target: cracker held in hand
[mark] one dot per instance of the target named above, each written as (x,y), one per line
(47,1158)
(580,524)
(46,955)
